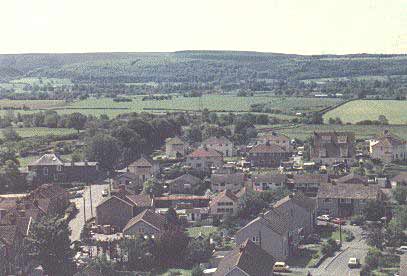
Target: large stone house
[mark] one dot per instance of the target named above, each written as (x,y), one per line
(225,204)
(388,147)
(270,231)
(248,259)
(300,211)
(276,139)
(308,183)
(344,199)
(204,159)
(268,155)
(120,207)
(50,199)
(185,184)
(268,181)
(220,144)
(49,168)
(332,147)
(144,169)
(227,181)
(147,223)
(175,148)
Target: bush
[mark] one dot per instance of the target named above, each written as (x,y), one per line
(357,220)
(329,247)
(373,257)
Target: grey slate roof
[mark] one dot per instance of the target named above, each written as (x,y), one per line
(350,191)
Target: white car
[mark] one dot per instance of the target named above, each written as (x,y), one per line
(324,218)
(105,192)
(402,249)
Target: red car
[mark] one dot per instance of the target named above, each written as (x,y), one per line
(338,221)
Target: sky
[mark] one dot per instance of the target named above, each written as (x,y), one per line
(284,26)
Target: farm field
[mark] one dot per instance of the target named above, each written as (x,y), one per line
(31,104)
(211,102)
(359,110)
(42,131)
(303,132)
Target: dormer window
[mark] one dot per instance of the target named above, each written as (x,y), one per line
(45,171)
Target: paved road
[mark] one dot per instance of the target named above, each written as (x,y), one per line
(78,222)
(338,264)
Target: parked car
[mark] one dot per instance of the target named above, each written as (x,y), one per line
(281,267)
(79,194)
(324,218)
(105,192)
(402,249)
(353,263)
(338,221)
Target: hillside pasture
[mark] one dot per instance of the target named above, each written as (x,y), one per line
(359,110)
(41,131)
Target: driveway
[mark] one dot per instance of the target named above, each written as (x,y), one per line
(338,264)
(78,222)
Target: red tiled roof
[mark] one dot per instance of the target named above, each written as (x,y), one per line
(158,221)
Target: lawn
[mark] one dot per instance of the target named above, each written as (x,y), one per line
(42,131)
(307,257)
(205,230)
(359,110)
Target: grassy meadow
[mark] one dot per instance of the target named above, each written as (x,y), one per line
(355,111)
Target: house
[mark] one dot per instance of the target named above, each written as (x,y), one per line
(268,181)
(227,181)
(185,184)
(220,144)
(226,203)
(129,180)
(120,207)
(12,249)
(144,168)
(181,202)
(50,198)
(352,178)
(194,215)
(248,259)
(204,159)
(307,183)
(49,168)
(175,148)
(332,147)
(345,200)
(268,155)
(276,139)
(147,223)
(388,147)
(270,231)
(300,211)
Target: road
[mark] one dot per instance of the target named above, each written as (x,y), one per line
(78,222)
(338,264)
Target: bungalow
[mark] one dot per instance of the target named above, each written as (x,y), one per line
(224,204)
(204,159)
(227,181)
(49,168)
(144,168)
(220,144)
(147,223)
(248,259)
(185,184)
(120,207)
(268,155)
(270,231)
(345,200)
(388,147)
(268,181)
(175,147)
(307,183)
(276,139)
(332,147)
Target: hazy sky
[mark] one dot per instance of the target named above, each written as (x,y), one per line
(287,26)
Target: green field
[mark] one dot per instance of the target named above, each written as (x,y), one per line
(355,111)
(211,102)
(42,131)
(303,132)
(42,81)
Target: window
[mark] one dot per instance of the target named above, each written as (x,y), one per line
(327,200)
(45,171)
(59,168)
(256,239)
(141,230)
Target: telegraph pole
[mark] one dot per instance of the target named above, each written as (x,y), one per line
(84,209)
(91,201)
